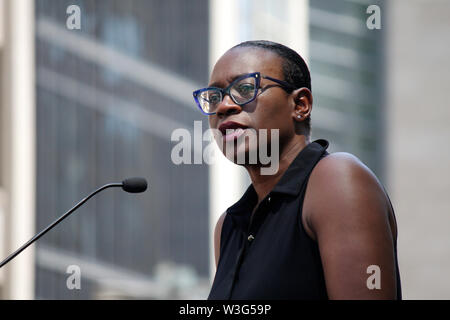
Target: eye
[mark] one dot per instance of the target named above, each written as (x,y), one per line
(245,89)
(214,98)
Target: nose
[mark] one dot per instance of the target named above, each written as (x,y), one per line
(227,106)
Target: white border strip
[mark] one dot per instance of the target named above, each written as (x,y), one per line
(20,92)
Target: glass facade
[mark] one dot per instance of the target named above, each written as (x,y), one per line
(108,97)
(347,76)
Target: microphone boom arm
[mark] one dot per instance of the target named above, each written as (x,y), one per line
(40,234)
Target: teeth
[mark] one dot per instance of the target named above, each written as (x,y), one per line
(232,128)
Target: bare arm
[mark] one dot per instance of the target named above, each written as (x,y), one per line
(348,215)
(217,233)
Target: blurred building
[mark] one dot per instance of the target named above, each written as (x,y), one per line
(81,108)
(346,63)
(105,101)
(418,130)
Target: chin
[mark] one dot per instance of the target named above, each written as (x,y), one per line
(242,156)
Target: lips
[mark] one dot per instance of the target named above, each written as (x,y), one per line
(231,125)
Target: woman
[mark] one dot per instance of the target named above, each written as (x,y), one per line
(321,226)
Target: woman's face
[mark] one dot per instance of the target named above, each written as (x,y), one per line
(272,108)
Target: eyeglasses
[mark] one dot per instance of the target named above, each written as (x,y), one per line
(243,90)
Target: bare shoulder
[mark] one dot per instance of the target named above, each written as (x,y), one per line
(348,213)
(341,186)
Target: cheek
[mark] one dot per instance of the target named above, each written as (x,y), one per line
(212,122)
(273,115)
(277,116)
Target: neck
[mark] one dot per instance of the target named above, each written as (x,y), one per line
(263,184)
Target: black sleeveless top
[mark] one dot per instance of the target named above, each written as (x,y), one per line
(272,256)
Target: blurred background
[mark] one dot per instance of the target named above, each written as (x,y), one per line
(80,108)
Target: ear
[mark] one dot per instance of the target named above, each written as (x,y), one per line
(302,101)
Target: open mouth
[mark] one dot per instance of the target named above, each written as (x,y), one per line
(232,130)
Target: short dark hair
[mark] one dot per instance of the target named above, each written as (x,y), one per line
(295,70)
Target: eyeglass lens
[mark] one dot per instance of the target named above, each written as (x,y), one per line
(241,91)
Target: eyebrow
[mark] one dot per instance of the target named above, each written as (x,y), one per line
(217,83)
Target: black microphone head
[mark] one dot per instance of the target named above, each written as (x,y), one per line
(134,185)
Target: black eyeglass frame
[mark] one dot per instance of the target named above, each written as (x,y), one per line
(223,92)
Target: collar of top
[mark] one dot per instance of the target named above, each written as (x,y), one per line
(290,183)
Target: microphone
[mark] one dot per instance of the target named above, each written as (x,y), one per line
(132,185)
